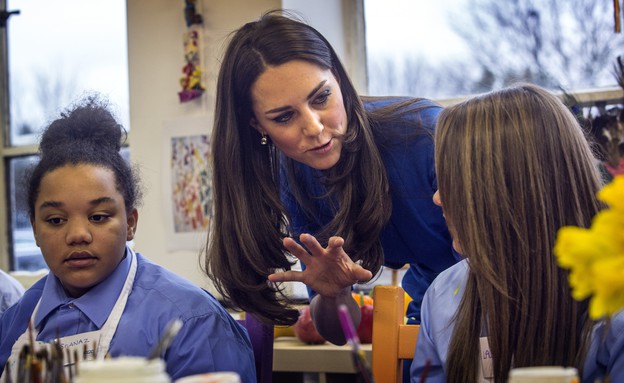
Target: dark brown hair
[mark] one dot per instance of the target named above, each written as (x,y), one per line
(250,221)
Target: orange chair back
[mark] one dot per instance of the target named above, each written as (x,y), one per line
(393,340)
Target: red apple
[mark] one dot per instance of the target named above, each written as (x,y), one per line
(365,329)
(304,328)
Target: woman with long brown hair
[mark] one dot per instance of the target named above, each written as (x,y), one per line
(301,160)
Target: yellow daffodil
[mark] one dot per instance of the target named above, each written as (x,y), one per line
(595,256)
(608,295)
(613,193)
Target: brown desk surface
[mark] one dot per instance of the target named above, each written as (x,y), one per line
(290,354)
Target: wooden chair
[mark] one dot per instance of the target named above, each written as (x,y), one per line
(393,340)
(261,336)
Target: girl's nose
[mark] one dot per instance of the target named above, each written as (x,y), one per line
(78,232)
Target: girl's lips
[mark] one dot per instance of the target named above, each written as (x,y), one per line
(80,260)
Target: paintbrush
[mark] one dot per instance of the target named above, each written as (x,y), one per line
(352,338)
(171,331)
(7,373)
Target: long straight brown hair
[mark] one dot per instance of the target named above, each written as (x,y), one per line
(513,167)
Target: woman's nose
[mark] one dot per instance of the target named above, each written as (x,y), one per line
(78,231)
(311,124)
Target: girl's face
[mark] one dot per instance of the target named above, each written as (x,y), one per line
(456,245)
(81,225)
(299,106)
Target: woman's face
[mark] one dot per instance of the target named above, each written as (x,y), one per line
(80,224)
(456,245)
(299,106)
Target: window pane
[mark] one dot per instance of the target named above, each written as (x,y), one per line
(59,51)
(26,254)
(448,48)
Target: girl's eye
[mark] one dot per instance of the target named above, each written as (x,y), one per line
(283,118)
(54,221)
(99,217)
(322,98)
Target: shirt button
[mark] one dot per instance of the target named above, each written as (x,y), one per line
(71,306)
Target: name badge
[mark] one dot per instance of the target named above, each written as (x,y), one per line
(487,371)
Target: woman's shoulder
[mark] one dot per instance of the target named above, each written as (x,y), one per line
(403,115)
(372,103)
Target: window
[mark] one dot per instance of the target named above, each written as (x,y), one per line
(448,48)
(56,52)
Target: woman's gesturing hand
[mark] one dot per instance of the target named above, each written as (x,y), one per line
(328,270)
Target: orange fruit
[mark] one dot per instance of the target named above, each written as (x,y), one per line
(362,298)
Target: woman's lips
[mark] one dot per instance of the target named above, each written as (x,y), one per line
(323,148)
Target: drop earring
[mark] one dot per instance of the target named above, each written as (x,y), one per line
(263,140)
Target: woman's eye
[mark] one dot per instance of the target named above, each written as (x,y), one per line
(282,118)
(322,98)
(99,217)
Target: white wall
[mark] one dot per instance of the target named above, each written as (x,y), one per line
(156,57)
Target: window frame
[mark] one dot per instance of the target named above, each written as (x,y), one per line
(8,152)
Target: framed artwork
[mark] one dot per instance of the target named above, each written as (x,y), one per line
(187,185)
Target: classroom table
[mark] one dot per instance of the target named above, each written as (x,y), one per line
(292,355)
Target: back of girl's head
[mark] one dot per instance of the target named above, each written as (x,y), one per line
(514,159)
(514,166)
(87,133)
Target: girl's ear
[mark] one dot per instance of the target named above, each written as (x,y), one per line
(254,124)
(34,229)
(133,219)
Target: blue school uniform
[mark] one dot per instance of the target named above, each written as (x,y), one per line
(604,356)
(10,291)
(209,339)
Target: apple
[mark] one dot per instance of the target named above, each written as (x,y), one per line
(305,330)
(365,329)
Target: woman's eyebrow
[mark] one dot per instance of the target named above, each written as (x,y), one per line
(310,95)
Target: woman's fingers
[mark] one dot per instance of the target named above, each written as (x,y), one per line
(362,274)
(335,242)
(328,269)
(286,276)
(312,244)
(297,250)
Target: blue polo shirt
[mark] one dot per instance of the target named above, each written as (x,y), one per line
(209,340)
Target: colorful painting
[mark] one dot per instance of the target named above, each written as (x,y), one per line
(190,183)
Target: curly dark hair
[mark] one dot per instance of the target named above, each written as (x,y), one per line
(86,133)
